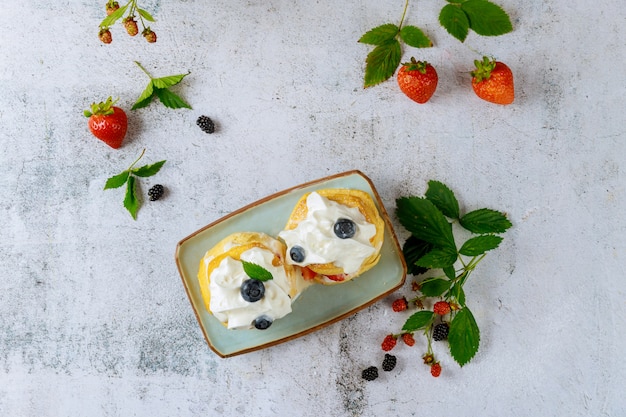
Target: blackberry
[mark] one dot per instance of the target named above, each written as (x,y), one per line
(206,124)
(389,362)
(440,332)
(370,373)
(156,192)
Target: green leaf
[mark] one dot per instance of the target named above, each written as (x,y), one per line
(116,181)
(420,217)
(434,287)
(169,81)
(382,62)
(449,272)
(170,99)
(458,293)
(148,170)
(130,199)
(145,98)
(486,18)
(437,258)
(418,321)
(479,245)
(145,15)
(455,21)
(255,271)
(413,250)
(113,17)
(443,198)
(415,37)
(380,34)
(464,336)
(485,221)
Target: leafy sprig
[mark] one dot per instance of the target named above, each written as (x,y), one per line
(159,87)
(432,246)
(131,9)
(255,271)
(128,178)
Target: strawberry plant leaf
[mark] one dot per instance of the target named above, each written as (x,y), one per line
(418,321)
(437,258)
(145,15)
(485,221)
(415,37)
(434,287)
(413,250)
(455,21)
(255,271)
(170,99)
(382,62)
(145,98)
(169,81)
(420,217)
(479,245)
(443,198)
(380,34)
(116,181)
(449,272)
(486,18)
(463,337)
(113,17)
(130,199)
(148,170)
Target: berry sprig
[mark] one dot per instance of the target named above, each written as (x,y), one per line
(160,87)
(132,11)
(432,246)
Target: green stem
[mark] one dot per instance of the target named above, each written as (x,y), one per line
(143,69)
(130,168)
(406,5)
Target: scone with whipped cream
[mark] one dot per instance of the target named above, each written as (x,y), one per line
(246,283)
(334,235)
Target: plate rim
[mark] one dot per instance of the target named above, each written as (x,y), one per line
(384,215)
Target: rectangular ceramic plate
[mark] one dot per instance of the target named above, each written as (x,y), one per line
(318,305)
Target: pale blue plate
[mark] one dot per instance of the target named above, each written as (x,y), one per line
(319,305)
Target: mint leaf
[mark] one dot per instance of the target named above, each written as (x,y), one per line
(443,198)
(130,200)
(455,21)
(464,336)
(382,62)
(413,36)
(413,250)
(434,287)
(437,258)
(145,15)
(169,81)
(479,245)
(148,170)
(170,99)
(113,17)
(255,271)
(380,34)
(485,221)
(145,98)
(418,321)
(116,181)
(486,18)
(420,217)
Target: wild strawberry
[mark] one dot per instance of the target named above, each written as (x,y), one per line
(131,25)
(418,80)
(111,7)
(150,36)
(408,339)
(105,35)
(399,305)
(435,369)
(441,307)
(107,122)
(493,81)
(389,342)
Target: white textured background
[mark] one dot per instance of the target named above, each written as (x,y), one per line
(94,320)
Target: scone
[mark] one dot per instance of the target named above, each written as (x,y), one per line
(334,235)
(235,298)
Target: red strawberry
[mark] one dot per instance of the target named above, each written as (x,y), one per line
(418,80)
(493,81)
(105,35)
(150,36)
(108,123)
(131,25)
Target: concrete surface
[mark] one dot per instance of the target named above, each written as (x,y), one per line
(94,320)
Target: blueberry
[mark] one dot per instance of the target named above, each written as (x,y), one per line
(262,322)
(297,253)
(252,290)
(344,228)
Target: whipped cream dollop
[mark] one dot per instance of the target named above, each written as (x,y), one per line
(320,244)
(226,302)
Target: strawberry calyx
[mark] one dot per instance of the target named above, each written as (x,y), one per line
(101,109)
(415,65)
(483,69)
